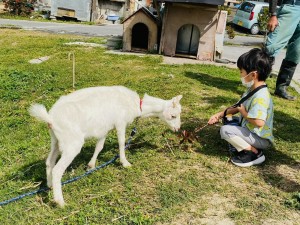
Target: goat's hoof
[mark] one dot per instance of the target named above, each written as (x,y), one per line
(49,184)
(60,203)
(126,164)
(91,166)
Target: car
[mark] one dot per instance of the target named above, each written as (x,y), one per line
(247,15)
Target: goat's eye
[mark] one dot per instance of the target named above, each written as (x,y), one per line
(173,117)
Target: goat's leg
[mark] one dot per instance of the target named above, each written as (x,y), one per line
(51,160)
(98,149)
(121,140)
(52,157)
(68,154)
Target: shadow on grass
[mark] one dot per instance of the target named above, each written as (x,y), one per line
(217,82)
(35,172)
(287,127)
(213,145)
(270,172)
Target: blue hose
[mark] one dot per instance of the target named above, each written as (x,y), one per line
(45,189)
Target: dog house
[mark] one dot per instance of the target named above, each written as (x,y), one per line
(193,33)
(140,32)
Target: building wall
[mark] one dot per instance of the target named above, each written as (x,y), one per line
(108,7)
(203,16)
(82,8)
(139,17)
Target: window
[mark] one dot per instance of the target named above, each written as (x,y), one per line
(247,7)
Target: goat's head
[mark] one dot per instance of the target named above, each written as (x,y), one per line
(171,113)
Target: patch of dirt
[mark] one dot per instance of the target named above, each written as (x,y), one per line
(217,211)
(180,61)
(290,172)
(290,177)
(215,214)
(276,222)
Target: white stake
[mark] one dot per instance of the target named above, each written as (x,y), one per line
(73,56)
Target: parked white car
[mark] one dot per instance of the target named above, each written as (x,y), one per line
(247,14)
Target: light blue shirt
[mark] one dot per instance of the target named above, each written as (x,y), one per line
(260,106)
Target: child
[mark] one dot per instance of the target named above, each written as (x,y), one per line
(254,133)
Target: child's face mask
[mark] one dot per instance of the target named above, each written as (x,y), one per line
(245,83)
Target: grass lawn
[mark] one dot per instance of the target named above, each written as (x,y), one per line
(191,183)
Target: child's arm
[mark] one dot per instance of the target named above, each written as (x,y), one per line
(215,118)
(244,113)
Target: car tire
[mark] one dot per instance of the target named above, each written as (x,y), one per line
(254,29)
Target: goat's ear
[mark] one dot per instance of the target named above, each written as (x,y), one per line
(176,100)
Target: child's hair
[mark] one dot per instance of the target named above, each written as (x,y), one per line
(256,60)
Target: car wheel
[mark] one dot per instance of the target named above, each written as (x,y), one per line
(254,29)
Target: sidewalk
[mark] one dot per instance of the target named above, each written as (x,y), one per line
(232,53)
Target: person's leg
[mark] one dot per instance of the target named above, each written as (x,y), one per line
(242,139)
(289,19)
(293,48)
(285,75)
(248,145)
(289,65)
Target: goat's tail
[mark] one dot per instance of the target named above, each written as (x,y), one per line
(40,112)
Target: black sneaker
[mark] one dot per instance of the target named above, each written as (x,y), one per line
(232,150)
(248,158)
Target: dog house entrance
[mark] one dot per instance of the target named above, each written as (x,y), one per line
(188,40)
(140,34)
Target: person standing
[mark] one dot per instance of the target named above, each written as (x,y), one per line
(284,28)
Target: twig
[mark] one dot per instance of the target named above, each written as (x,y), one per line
(113,220)
(34,185)
(200,128)
(65,217)
(170,147)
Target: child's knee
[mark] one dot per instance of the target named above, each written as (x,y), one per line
(224,131)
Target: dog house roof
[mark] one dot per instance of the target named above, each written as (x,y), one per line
(210,2)
(147,12)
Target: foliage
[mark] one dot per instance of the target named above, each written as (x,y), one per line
(225,8)
(119,45)
(294,202)
(229,28)
(230,31)
(168,183)
(19,7)
(263,19)
(121,19)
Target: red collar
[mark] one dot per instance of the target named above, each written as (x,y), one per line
(141,103)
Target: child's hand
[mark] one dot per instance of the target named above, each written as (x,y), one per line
(242,110)
(215,118)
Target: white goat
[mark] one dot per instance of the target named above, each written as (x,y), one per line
(93,112)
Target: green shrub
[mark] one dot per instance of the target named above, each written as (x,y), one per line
(263,19)
(294,202)
(19,7)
